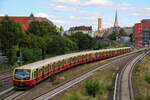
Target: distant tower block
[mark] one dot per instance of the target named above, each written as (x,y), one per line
(99,24)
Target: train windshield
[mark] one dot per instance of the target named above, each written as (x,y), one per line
(21,74)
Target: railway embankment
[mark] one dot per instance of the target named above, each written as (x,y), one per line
(106,78)
(142,79)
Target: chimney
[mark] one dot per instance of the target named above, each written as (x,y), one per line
(99,24)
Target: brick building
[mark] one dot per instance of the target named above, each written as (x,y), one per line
(25,21)
(142,32)
(84,29)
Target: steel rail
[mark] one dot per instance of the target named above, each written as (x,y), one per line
(126,75)
(56,91)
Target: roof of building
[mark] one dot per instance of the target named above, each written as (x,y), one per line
(81,28)
(24,21)
(145,20)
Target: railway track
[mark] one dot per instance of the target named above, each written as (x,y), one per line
(14,95)
(48,95)
(125,88)
(6,82)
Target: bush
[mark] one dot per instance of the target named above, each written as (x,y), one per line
(72,96)
(147,79)
(137,68)
(52,77)
(109,88)
(92,87)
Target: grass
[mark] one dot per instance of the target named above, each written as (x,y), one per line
(142,78)
(6,68)
(106,81)
(69,74)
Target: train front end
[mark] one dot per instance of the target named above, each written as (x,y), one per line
(22,78)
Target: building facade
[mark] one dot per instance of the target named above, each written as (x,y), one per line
(142,32)
(99,24)
(83,29)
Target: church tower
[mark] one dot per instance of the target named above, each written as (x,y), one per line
(116,25)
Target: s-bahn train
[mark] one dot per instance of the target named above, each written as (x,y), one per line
(31,74)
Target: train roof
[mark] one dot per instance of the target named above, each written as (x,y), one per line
(61,57)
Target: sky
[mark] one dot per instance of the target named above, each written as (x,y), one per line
(69,13)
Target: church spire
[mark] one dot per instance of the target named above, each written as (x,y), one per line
(31,16)
(116,20)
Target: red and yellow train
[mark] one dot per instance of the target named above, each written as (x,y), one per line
(31,74)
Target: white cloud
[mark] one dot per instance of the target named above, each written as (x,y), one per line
(97,2)
(46,4)
(140,12)
(87,13)
(44,15)
(83,18)
(2,15)
(64,9)
(58,21)
(54,19)
(71,2)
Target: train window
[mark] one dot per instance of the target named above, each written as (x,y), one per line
(79,58)
(34,74)
(76,58)
(49,66)
(100,54)
(22,74)
(70,60)
(46,69)
(90,56)
(58,65)
(73,59)
(62,63)
(54,65)
(39,72)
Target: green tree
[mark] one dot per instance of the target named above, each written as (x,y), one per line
(10,33)
(33,41)
(60,45)
(92,87)
(122,32)
(12,55)
(61,29)
(0,45)
(113,36)
(42,28)
(84,41)
(31,54)
(131,37)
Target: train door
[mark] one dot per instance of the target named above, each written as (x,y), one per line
(48,69)
(43,72)
(37,72)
